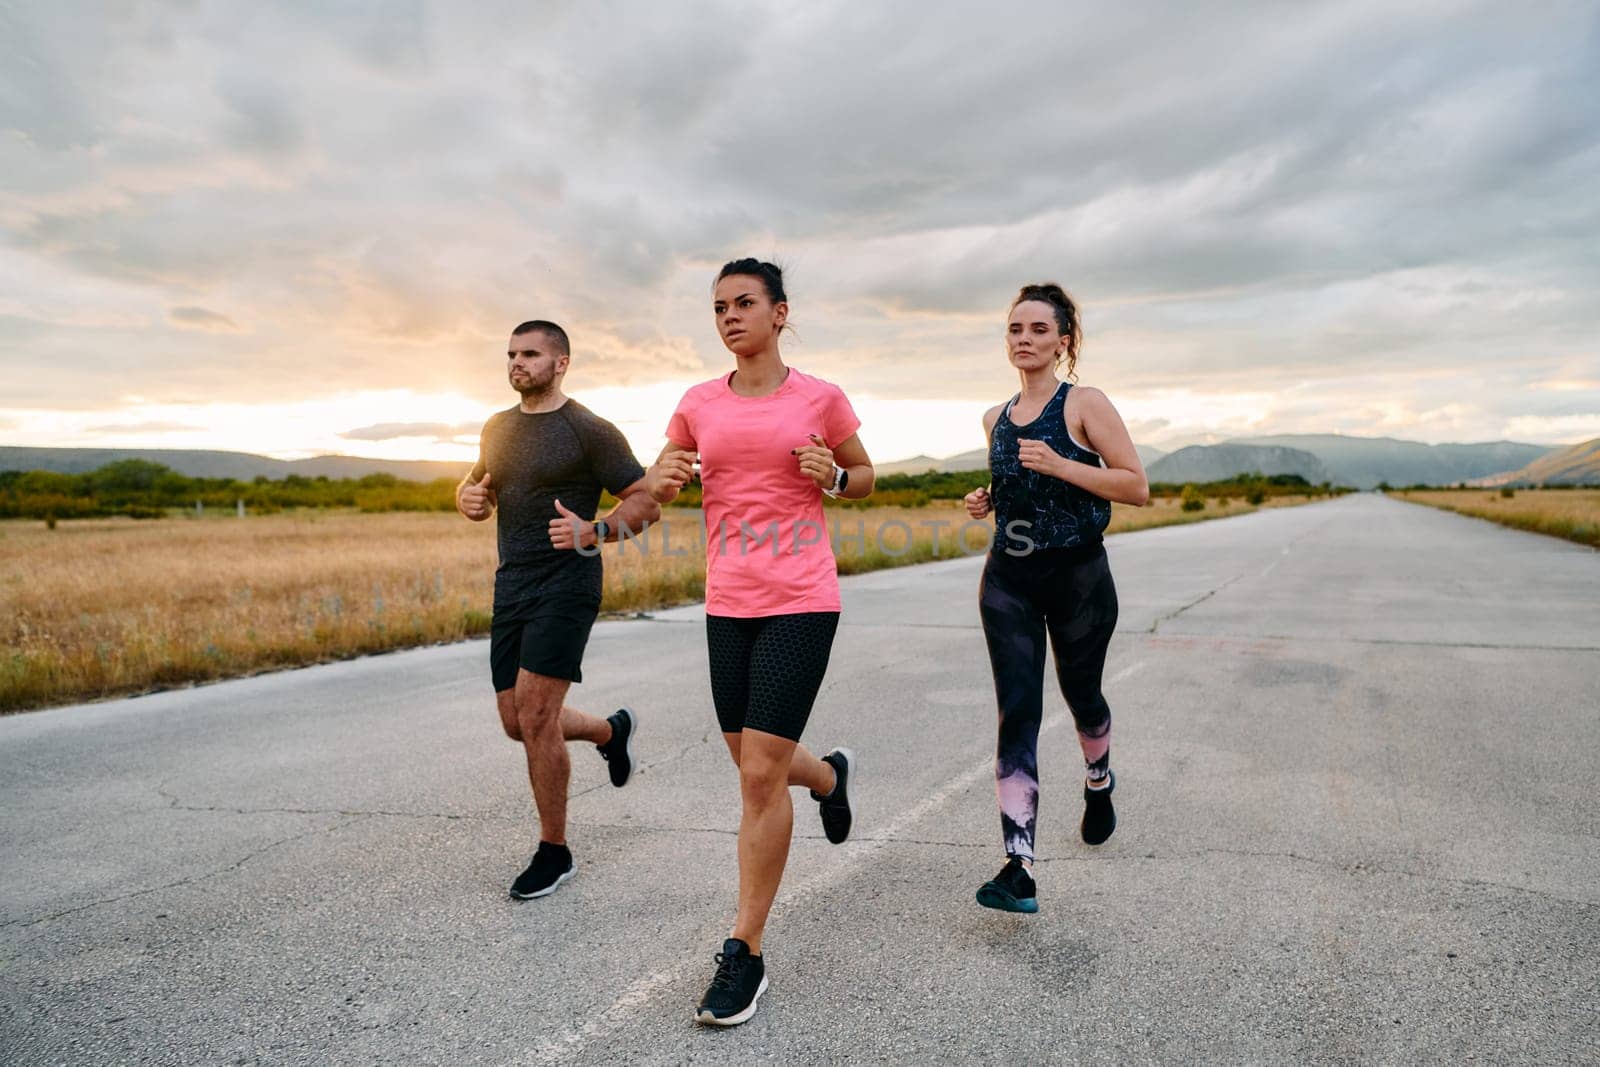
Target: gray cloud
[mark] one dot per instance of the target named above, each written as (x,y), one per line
(41,97)
(1236,197)
(389,431)
(201,319)
(262,117)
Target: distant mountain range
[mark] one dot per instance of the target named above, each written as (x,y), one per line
(245,466)
(1578,465)
(1364,462)
(1360,462)
(1213,463)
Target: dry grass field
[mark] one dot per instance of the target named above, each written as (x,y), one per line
(1570,513)
(102,607)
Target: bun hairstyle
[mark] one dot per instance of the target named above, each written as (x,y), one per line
(771,276)
(1066,319)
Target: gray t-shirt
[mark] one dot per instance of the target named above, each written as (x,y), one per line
(568,454)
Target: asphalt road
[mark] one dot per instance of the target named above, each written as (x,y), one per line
(1358,752)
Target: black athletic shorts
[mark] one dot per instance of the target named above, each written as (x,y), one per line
(765,672)
(545,634)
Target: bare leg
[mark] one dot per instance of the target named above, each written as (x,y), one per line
(539,720)
(767,767)
(804,768)
(575,725)
(581,726)
(505,701)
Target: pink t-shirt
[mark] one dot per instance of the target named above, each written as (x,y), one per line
(767,547)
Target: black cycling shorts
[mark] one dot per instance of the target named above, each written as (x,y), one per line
(765,672)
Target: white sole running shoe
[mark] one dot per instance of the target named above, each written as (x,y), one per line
(705,1017)
(564,876)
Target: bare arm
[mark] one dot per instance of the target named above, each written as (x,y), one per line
(635,510)
(817,462)
(852,456)
(979,502)
(1122,479)
(670,472)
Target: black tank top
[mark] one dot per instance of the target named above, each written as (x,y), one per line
(1057,514)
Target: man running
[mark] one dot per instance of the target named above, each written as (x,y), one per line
(543,464)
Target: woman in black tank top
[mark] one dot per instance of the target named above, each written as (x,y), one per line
(1059,456)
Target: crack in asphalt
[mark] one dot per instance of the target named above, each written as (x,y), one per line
(1288,546)
(175,803)
(180,882)
(1363,866)
(1156,624)
(353,815)
(681,754)
(1347,867)
(1357,867)
(352,812)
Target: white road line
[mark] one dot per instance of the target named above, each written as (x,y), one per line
(1277,560)
(568,1045)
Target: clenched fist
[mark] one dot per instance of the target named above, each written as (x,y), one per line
(816,462)
(1038,456)
(978,502)
(669,474)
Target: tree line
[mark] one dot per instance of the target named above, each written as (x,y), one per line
(146,490)
(142,489)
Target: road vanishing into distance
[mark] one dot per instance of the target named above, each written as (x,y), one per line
(1358,778)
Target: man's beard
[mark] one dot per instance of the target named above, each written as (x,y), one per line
(532,389)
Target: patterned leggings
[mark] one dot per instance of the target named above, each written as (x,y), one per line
(1067,593)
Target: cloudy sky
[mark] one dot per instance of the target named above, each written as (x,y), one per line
(297,228)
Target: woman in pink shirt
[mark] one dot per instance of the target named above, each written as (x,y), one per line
(770,442)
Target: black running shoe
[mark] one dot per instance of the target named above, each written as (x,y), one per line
(551,866)
(835,807)
(1099,817)
(739,982)
(618,752)
(1010,890)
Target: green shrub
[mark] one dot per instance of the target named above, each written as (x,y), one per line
(1256,495)
(1193,499)
(1507,492)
